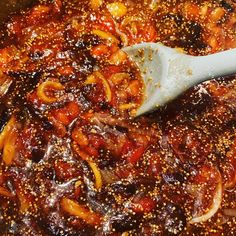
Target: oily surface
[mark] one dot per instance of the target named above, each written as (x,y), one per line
(75,162)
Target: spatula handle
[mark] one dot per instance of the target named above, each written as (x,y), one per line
(213,66)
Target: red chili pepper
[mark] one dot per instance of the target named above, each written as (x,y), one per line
(15,26)
(6,55)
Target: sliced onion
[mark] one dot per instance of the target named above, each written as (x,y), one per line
(123,36)
(130,19)
(4,86)
(93,79)
(84,213)
(9,149)
(97,175)
(90,80)
(24,202)
(48,85)
(213,208)
(105,35)
(127,106)
(7,129)
(106,86)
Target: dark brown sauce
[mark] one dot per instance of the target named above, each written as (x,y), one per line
(8,8)
(158,171)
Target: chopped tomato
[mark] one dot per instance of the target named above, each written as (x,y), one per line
(66,70)
(134,156)
(6,55)
(73,109)
(65,170)
(62,117)
(96,140)
(138,32)
(191,11)
(93,152)
(15,26)
(57,6)
(207,174)
(112,69)
(132,153)
(67,114)
(145,204)
(149,34)
(39,13)
(105,23)
(99,50)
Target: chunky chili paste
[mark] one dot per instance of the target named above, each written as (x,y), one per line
(74,160)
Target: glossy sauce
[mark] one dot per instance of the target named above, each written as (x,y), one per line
(73,159)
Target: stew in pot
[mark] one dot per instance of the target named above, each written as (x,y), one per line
(74,161)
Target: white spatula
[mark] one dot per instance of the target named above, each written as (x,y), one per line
(168,72)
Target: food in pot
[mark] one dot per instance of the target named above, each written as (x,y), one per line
(74,161)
